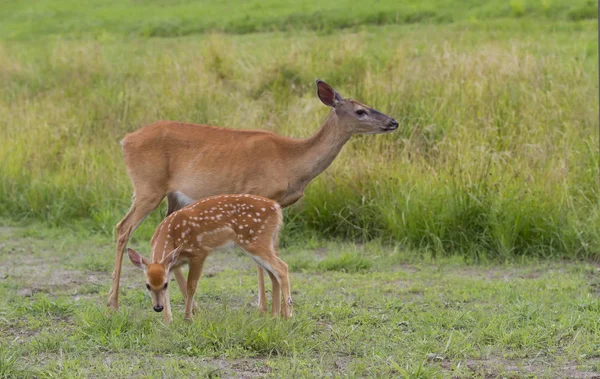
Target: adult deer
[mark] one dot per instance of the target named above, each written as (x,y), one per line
(186,162)
(190,234)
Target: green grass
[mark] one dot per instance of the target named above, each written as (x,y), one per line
(496,156)
(151,18)
(399,316)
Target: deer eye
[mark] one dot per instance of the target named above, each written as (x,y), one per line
(148,286)
(166,285)
(361,112)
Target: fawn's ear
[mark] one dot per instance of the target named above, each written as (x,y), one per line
(170,259)
(327,94)
(137,259)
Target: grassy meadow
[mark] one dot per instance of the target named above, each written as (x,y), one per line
(496,154)
(359,311)
(465,244)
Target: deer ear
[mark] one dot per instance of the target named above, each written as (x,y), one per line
(327,94)
(170,259)
(137,259)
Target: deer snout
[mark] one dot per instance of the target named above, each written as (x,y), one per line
(392,124)
(158,308)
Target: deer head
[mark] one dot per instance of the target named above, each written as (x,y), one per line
(357,117)
(157,275)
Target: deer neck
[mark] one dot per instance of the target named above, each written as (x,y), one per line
(318,151)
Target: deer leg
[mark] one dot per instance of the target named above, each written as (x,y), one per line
(192,284)
(262,296)
(182,286)
(140,209)
(275,296)
(280,269)
(168,317)
(278,272)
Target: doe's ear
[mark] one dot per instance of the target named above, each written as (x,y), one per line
(171,258)
(137,259)
(327,94)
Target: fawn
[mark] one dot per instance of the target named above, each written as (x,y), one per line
(188,235)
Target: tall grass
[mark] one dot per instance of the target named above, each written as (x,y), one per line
(158,18)
(496,153)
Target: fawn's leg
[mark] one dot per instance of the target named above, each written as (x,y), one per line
(262,296)
(280,269)
(182,286)
(268,263)
(192,284)
(275,296)
(168,317)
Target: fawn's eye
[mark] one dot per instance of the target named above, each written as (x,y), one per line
(166,285)
(148,286)
(361,112)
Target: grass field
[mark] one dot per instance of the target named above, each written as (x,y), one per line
(160,18)
(360,311)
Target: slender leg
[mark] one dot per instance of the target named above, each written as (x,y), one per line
(182,286)
(192,284)
(282,272)
(142,206)
(276,296)
(278,272)
(262,298)
(287,298)
(168,317)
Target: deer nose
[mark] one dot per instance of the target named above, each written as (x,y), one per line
(158,308)
(393,124)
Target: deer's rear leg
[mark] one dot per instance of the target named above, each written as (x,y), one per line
(262,296)
(192,284)
(182,286)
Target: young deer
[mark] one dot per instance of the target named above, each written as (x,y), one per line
(187,162)
(190,234)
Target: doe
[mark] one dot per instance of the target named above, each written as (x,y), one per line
(190,234)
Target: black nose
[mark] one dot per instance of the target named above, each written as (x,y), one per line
(158,308)
(393,123)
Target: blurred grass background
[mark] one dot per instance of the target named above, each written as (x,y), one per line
(496,156)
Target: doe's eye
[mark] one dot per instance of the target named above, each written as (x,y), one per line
(361,112)
(148,286)
(166,285)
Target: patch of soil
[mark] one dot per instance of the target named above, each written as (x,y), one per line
(498,367)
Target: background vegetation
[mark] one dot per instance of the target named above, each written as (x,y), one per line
(496,154)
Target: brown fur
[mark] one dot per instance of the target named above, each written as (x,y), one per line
(168,157)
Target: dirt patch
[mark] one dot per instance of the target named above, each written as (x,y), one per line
(499,367)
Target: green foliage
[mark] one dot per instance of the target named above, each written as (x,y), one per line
(11,366)
(101,19)
(346,262)
(495,157)
(588,10)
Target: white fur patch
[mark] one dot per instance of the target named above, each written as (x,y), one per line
(262,263)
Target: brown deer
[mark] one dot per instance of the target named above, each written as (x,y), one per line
(188,235)
(186,162)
